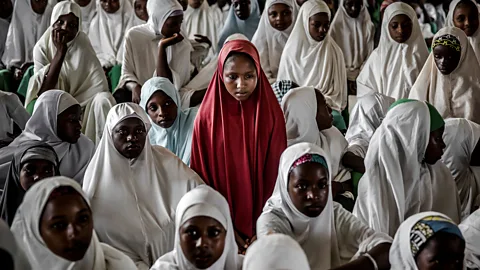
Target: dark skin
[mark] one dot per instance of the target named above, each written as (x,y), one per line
(129,137)
(435,146)
(6,9)
(465,17)
(400,28)
(318,26)
(110,6)
(202,240)
(442,251)
(475,158)
(35,170)
(280,16)
(222,3)
(7,260)
(242,8)
(184,4)
(195,3)
(162,109)
(446,59)
(39,6)
(141,9)
(69,124)
(301,2)
(240,76)
(353,7)
(83,3)
(66,226)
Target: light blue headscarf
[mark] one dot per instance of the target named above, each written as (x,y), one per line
(234,25)
(178,137)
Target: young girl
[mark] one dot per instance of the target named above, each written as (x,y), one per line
(449,79)
(141,13)
(272,34)
(243,18)
(55,225)
(428,240)
(172,127)
(88,10)
(302,207)
(129,175)
(203,215)
(394,65)
(239,135)
(314,59)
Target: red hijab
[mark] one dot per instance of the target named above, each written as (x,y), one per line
(236,145)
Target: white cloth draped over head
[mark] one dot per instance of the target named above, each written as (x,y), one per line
(42,126)
(329,240)
(461,137)
(141,50)
(470,228)
(107,32)
(26,27)
(178,137)
(202,201)
(148,188)
(275,251)
(456,94)
(299,106)
(13,248)
(397,182)
(234,25)
(11,109)
(88,12)
(26,228)
(270,42)
(312,63)
(475,38)
(393,67)
(365,118)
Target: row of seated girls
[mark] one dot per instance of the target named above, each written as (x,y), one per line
(260,175)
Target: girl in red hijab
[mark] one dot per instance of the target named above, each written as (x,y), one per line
(239,136)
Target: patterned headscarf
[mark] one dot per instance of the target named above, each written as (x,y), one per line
(309,158)
(447,41)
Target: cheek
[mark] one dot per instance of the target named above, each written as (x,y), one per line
(252,84)
(25,180)
(218,245)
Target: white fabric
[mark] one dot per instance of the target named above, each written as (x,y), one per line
(215,206)
(365,118)
(393,67)
(470,228)
(107,32)
(270,42)
(88,12)
(461,136)
(221,13)
(11,110)
(312,63)
(25,29)
(329,240)
(139,195)
(397,182)
(234,25)
(4,24)
(275,251)
(26,226)
(12,247)
(354,36)
(456,94)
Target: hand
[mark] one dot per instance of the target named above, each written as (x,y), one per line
(59,40)
(352,88)
(170,41)
(242,245)
(203,39)
(250,241)
(137,91)
(18,74)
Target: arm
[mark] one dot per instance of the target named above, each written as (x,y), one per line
(163,69)
(136,90)
(354,162)
(380,254)
(51,79)
(197,97)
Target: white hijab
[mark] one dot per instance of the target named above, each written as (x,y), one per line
(88,12)
(139,195)
(456,94)
(202,201)
(312,63)
(397,182)
(12,247)
(107,32)
(26,27)
(26,226)
(393,67)
(270,42)
(470,228)
(275,251)
(354,36)
(461,136)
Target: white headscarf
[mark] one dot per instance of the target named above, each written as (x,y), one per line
(397,182)
(270,42)
(107,32)
(456,94)
(470,228)
(25,29)
(88,12)
(140,195)
(461,136)
(10,245)
(202,201)
(365,118)
(393,67)
(312,63)
(234,25)
(26,228)
(276,251)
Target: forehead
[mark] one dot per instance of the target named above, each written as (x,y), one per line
(353,2)
(37,162)
(175,19)
(202,221)
(239,60)
(278,7)
(131,122)
(400,18)
(64,204)
(68,17)
(72,110)
(465,6)
(319,17)
(304,170)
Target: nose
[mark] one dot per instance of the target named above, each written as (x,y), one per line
(240,83)
(201,242)
(466,23)
(443,145)
(72,231)
(132,137)
(312,194)
(400,30)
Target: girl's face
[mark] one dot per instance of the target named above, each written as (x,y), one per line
(35,170)
(83,3)
(6,9)
(400,28)
(69,124)
(129,137)
(162,109)
(242,8)
(353,7)
(442,251)
(195,3)
(110,6)
(280,16)
(172,26)
(435,146)
(39,6)
(446,59)
(66,226)
(202,240)
(240,76)
(324,115)
(318,26)
(141,9)
(68,25)
(465,17)
(308,188)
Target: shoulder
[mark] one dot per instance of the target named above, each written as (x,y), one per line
(115,259)
(273,221)
(176,168)
(166,262)
(139,31)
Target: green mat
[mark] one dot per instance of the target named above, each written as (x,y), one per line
(23,87)
(114,76)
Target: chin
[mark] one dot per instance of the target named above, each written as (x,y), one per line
(75,257)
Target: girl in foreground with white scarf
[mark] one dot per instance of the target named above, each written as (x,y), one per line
(203,215)
(129,175)
(43,225)
(403,176)
(394,65)
(302,207)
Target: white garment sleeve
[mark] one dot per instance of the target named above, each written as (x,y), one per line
(270,222)
(16,111)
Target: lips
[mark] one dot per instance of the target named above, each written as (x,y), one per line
(133,147)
